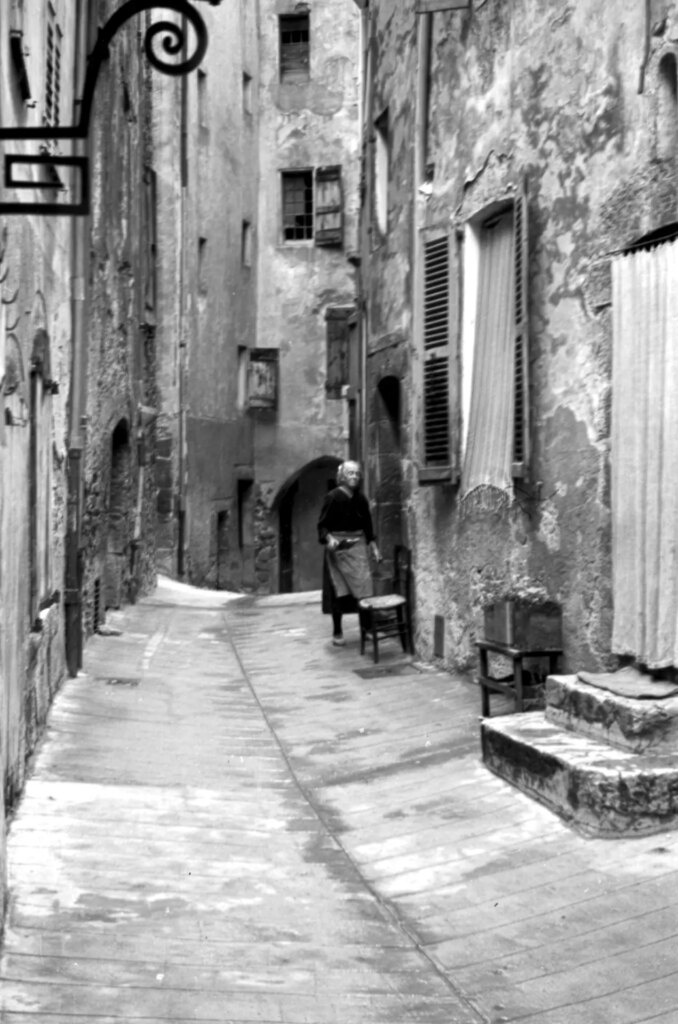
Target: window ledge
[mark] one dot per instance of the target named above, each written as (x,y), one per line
(438,475)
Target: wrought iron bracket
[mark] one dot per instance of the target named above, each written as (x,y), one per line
(163,40)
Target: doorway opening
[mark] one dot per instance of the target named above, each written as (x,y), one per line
(117,576)
(389,482)
(299,502)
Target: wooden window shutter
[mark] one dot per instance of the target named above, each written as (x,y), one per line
(521,414)
(436,331)
(329,207)
(338,349)
(429,6)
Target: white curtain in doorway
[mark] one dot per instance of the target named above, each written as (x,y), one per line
(645,455)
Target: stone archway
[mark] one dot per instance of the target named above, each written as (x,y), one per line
(298,504)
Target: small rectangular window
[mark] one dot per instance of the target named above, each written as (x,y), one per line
(247,93)
(243,371)
(338,349)
(297,205)
(246,244)
(202,265)
(202,99)
(294,47)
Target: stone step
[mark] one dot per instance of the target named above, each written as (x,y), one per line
(600,790)
(625,722)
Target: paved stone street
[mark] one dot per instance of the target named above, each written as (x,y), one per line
(232,821)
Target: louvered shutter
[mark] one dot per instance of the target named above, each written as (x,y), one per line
(436,333)
(521,414)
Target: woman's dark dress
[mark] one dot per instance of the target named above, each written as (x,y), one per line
(345,513)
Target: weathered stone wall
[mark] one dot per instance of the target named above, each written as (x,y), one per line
(523,90)
(118,537)
(35,290)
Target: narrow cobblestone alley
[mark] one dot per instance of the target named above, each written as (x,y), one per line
(230,821)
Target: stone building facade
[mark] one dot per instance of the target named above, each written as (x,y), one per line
(35,351)
(511,152)
(259,153)
(77,358)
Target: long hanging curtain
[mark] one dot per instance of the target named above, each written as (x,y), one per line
(645,456)
(486,473)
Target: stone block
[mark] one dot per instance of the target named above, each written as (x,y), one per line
(600,790)
(623,722)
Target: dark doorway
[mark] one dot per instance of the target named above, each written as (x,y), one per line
(389,482)
(120,508)
(246,531)
(299,508)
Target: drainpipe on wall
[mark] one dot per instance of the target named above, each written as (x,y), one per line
(181,502)
(367,156)
(77,420)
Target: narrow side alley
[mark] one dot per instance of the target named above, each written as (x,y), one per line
(231,821)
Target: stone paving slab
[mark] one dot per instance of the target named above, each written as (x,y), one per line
(167,865)
(532,921)
(255,832)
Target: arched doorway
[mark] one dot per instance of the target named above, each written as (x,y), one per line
(389,482)
(299,505)
(120,505)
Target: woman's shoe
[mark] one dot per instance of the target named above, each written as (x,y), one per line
(338,641)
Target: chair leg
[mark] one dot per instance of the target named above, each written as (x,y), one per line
(375,645)
(402,629)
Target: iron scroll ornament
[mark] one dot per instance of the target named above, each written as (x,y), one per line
(173,42)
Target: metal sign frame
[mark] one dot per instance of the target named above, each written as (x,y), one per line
(158,52)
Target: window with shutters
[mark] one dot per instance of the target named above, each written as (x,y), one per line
(495,364)
(313,206)
(437,440)
(338,349)
(295,52)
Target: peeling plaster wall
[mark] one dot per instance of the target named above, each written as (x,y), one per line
(520,89)
(303,125)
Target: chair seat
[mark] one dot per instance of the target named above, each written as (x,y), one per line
(381,604)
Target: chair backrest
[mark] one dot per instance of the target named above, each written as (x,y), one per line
(402,571)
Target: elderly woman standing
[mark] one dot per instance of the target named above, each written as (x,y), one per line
(345,528)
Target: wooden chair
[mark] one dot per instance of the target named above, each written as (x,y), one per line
(390,614)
